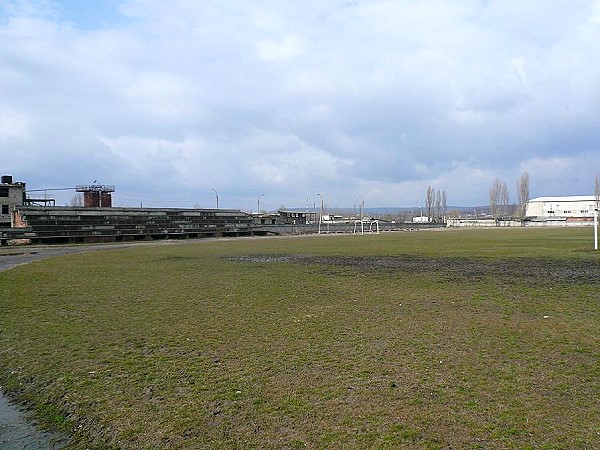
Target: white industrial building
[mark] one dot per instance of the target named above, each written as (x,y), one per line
(572,210)
(575,210)
(581,206)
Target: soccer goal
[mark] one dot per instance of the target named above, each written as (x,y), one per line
(373,226)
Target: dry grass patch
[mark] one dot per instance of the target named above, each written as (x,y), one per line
(418,341)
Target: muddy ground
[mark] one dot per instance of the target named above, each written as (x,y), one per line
(531,270)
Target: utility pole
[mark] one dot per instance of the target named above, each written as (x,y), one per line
(362,214)
(320,212)
(258,203)
(216,195)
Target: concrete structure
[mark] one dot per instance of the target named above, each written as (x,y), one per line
(581,206)
(266,219)
(63,224)
(483,222)
(421,219)
(297,217)
(542,211)
(560,211)
(11,195)
(96,195)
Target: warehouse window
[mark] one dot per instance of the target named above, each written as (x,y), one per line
(4,209)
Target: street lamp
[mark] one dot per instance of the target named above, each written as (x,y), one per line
(216,195)
(362,207)
(320,213)
(362,214)
(258,203)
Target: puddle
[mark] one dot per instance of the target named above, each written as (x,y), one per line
(17,433)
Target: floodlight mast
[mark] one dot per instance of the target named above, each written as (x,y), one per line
(362,214)
(216,195)
(258,203)
(320,212)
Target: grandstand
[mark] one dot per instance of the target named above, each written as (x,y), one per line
(80,224)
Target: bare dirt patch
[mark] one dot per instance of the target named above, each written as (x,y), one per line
(531,269)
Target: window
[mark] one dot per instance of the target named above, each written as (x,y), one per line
(4,209)
(3,192)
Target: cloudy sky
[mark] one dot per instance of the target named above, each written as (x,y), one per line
(377,99)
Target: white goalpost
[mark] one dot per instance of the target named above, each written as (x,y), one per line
(371,223)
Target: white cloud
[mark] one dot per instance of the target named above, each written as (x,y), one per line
(160,93)
(13,125)
(376,97)
(595,17)
(519,63)
(563,175)
(282,49)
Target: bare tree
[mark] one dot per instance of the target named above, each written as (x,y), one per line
(429,200)
(444,204)
(495,197)
(499,199)
(504,200)
(438,204)
(76,200)
(523,193)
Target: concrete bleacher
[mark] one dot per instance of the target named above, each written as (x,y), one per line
(78,224)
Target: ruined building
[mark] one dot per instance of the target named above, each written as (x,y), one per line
(11,195)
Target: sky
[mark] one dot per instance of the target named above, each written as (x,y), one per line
(290,102)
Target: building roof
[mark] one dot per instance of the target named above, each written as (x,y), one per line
(567,198)
(287,211)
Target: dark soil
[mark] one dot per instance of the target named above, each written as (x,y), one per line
(534,270)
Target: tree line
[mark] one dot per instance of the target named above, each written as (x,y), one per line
(500,207)
(436,204)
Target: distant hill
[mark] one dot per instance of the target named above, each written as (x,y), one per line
(395,211)
(399,210)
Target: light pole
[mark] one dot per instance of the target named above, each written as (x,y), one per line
(258,203)
(320,213)
(362,214)
(216,195)
(362,206)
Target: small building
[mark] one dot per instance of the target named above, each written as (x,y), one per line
(266,219)
(11,195)
(297,217)
(333,218)
(421,219)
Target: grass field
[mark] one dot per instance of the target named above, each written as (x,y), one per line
(424,340)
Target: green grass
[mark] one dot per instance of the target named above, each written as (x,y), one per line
(490,340)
